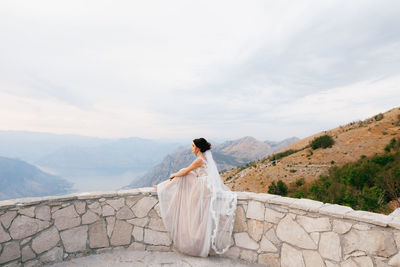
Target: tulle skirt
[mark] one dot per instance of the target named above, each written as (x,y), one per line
(185,211)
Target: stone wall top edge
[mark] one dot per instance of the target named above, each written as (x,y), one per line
(308,205)
(29,201)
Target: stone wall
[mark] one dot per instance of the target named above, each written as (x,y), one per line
(269,229)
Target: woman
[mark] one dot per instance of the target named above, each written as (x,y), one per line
(197,209)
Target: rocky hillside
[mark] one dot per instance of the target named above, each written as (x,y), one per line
(227,156)
(352,141)
(20,179)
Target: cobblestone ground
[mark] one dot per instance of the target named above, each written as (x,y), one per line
(147,258)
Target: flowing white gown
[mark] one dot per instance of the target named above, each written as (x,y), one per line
(198,210)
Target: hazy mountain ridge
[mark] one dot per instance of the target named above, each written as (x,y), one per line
(352,141)
(71,154)
(227,155)
(20,179)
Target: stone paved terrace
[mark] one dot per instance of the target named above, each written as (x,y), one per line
(269,230)
(136,258)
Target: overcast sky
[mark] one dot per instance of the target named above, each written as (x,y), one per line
(185,69)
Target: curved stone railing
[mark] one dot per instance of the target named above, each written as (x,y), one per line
(269,229)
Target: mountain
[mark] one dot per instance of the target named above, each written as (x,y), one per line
(20,179)
(299,161)
(74,155)
(227,155)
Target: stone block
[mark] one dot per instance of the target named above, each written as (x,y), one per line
(107,210)
(349,263)
(157,224)
(137,246)
(90,217)
(125,213)
(269,259)
(291,232)
(116,203)
(291,257)
(255,229)
(75,239)
(11,251)
(143,206)
(130,201)
(110,225)
(273,216)
(23,226)
(68,212)
(240,224)
(266,245)
(137,233)
(98,235)
(364,261)
(255,210)
(341,227)
(45,240)
(248,255)
(243,240)
(335,210)
(283,201)
(271,236)
(380,243)
(314,224)
(156,238)
(80,207)
(329,246)
(30,212)
(306,204)
(43,213)
(63,223)
(27,254)
(52,256)
(95,207)
(369,217)
(7,218)
(312,258)
(4,236)
(395,260)
(121,234)
(139,221)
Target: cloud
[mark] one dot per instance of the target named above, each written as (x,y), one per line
(188,68)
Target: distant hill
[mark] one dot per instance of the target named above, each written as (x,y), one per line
(68,154)
(299,161)
(20,179)
(227,155)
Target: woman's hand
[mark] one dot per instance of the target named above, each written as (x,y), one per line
(172,176)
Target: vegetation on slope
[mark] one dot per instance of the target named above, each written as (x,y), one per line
(367,184)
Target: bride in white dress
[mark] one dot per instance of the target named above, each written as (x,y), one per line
(197,208)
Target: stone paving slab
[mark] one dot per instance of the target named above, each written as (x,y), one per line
(138,258)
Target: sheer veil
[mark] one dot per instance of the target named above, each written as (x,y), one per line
(222,207)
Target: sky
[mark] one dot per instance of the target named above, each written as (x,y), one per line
(187,69)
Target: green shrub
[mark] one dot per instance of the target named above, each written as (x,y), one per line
(323,141)
(378,117)
(279,188)
(300,182)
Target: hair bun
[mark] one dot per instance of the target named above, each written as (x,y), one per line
(203,144)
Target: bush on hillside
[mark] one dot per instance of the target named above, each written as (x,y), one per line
(323,141)
(368,184)
(279,188)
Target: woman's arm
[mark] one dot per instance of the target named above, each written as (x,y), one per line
(182,172)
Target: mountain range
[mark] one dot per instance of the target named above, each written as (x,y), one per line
(227,155)
(20,179)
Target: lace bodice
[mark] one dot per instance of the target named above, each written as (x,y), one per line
(201,171)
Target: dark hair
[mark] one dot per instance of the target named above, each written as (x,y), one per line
(202,144)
